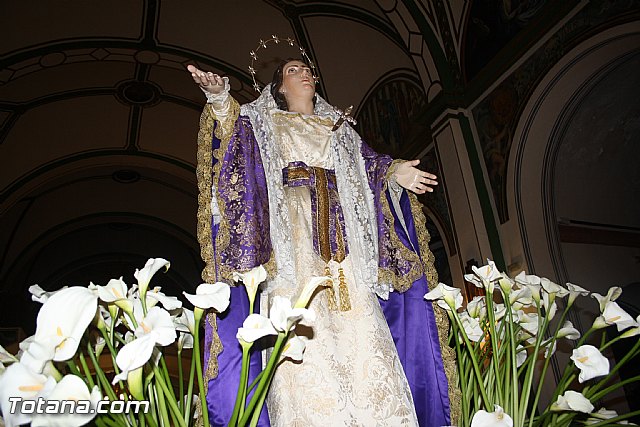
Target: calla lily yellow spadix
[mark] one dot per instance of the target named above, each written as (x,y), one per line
(590,361)
(255,327)
(63,319)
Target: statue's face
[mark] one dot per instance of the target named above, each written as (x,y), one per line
(297,81)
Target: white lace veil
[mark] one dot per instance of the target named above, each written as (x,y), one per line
(356,197)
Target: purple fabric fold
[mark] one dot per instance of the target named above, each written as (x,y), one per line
(411,320)
(223,389)
(242,189)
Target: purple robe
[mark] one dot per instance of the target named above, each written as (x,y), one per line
(236,167)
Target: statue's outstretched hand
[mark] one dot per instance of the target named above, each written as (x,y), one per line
(210,82)
(413,179)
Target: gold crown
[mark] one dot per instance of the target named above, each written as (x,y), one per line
(262,44)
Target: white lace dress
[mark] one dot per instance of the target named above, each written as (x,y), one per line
(350,374)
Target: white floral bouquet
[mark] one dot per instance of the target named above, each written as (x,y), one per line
(61,362)
(104,344)
(505,339)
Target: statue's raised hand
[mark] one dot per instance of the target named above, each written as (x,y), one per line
(208,81)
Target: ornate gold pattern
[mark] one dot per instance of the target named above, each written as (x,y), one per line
(211,370)
(400,283)
(322,214)
(442,321)
(207,175)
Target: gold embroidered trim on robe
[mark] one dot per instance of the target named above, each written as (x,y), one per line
(442,320)
(400,283)
(207,175)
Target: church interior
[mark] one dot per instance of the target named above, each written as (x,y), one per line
(526,110)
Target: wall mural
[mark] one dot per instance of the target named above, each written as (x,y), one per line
(497,115)
(386,120)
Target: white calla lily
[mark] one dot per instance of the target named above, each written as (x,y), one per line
(255,326)
(550,348)
(572,401)
(549,304)
(499,311)
(251,280)
(633,331)
(522,296)
(34,355)
(553,288)
(310,288)
(158,324)
(471,327)
(506,284)
(63,319)
(477,307)
(590,361)
(605,414)
(18,381)
(294,349)
(530,322)
(73,388)
(284,317)
(613,314)
(106,318)
(447,297)
(211,295)
(115,292)
(532,282)
(185,322)
(498,418)
(612,294)
(483,277)
(521,355)
(568,331)
(137,314)
(133,355)
(575,291)
(150,268)
(99,346)
(185,340)
(154,296)
(40,295)
(599,323)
